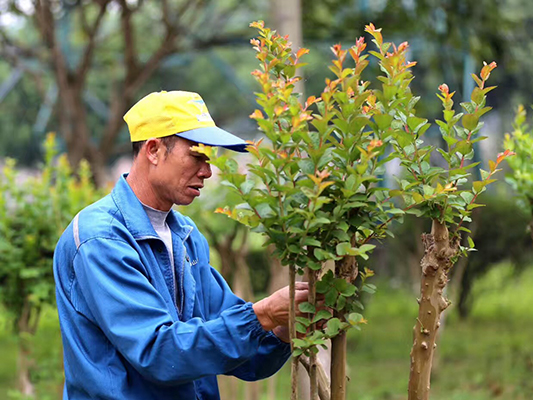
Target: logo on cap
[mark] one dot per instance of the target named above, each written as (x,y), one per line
(203,115)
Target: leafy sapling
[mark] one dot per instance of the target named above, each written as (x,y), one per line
(446,196)
(314,186)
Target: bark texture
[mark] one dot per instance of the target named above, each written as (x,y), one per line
(346,268)
(436,264)
(338,367)
(324,392)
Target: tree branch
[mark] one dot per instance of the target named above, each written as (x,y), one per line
(130,51)
(14,51)
(323,381)
(92,34)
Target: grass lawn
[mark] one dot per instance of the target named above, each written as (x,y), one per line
(489,356)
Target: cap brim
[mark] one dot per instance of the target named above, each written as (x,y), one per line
(214,136)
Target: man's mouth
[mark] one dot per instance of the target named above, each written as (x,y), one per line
(196,189)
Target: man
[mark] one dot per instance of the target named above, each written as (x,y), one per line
(143,315)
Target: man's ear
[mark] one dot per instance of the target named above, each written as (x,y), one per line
(154,150)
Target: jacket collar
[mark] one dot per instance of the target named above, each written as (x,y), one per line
(136,219)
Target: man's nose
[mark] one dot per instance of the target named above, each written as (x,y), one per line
(205,171)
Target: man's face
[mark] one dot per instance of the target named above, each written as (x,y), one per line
(180,174)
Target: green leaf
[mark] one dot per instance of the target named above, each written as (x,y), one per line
(369,288)
(340,284)
(471,243)
(478,186)
(341,303)
(309,241)
(300,328)
(464,147)
(467,196)
(307,307)
(444,155)
(355,318)
(264,210)
(396,211)
(331,297)
(448,115)
(349,291)
(333,327)
(322,254)
(417,197)
(403,138)
(351,182)
(394,193)
(299,343)
(322,314)
(304,321)
(322,287)
(344,249)
(297,352)
(358,304)
(383,121)
(470,121)
(366,248)
(307,166)
(247,186)
(415,123)
(389,91)
(319,221)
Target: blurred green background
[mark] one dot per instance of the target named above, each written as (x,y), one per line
(75,67)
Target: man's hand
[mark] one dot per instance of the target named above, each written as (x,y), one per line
(273,310)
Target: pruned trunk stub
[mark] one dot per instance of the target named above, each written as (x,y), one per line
(436,264)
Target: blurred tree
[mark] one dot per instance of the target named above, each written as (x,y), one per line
(100,50)
(33,214)
(448,38)
(500,234)
(521,177)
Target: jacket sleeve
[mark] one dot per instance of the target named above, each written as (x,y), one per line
(272,352)
(272,355)
(134,317)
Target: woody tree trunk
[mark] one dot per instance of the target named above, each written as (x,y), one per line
(436,264)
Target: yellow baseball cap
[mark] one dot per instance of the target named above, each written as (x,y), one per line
(180,113)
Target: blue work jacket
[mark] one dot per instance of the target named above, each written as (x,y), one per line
(123,334)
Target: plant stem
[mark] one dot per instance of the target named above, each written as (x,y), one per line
(345,268)
(435,264)
(292,332)
(338,366)
(323,380)
(313,380)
